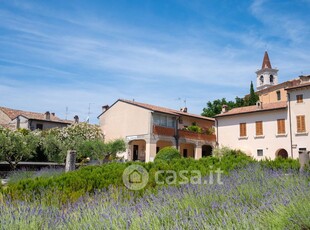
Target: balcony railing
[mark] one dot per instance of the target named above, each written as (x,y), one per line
(164,131)
(196,136)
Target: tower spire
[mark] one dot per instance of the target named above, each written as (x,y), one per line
(266,61)
(266,76)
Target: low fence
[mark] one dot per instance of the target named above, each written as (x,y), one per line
(30,166)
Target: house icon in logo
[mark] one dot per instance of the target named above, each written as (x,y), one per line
(135,177)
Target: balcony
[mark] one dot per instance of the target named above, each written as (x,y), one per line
(196,136)
(164,131)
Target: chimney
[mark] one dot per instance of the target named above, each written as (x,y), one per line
(53,114)
(184,110)
(47,115)
(224,109)
(105,108)
(304,79)
(259,105)
(76,119)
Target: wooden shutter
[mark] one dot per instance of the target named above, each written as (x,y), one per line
(259,128)
(281,126)
(299,98)
(242,129)
(301,124)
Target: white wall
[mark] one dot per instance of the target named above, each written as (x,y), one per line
(228,133)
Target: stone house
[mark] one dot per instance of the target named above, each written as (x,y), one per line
(15,119)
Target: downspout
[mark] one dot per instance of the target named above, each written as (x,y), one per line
(290,119)
(176,132)
(217,132)
(29,124)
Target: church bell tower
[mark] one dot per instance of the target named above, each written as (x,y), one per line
(266,76)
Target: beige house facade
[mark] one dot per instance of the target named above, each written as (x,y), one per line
(147,128)
(299,114)
(256,130)
(278,125)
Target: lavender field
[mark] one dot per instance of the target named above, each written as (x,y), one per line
(250,198)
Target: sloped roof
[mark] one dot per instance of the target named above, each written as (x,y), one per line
(13,113)
(285,84)
(254,108)
(266,61)
(299,86)
(162,110)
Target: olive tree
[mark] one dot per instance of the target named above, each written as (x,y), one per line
(16,146)
(100,150)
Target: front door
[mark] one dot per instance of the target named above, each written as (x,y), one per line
(184,152)
(135,152)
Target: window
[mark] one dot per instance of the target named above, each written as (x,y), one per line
(164,121)
(259,128)
(261,79)
(302,150)
(39,126)
(299,98)
(278,95)
(271,78)
(170,122)
(281,126)
(301,125)
(242,129)
(260,152)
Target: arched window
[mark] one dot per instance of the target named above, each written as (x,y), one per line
(261,79)
(271,77)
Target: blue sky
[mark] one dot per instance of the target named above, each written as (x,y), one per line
(58,54)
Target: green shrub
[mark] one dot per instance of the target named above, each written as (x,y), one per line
(61,188)
(281,163)
(194,128)
(168,154)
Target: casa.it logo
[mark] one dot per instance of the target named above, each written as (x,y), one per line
(135,177)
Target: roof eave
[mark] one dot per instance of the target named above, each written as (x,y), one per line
(256,111)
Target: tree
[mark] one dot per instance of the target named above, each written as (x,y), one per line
(253,97)
(100,150)
(57,141)
(215,107)
(114,147)
(16,146)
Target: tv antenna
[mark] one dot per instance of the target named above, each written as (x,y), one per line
(67,112)
(184,101)
(88,113)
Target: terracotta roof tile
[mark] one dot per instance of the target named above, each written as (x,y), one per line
(307,84)
(290,83)
(13,113)
(165,110)
(254,108)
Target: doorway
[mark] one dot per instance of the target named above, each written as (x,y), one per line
(135,152)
